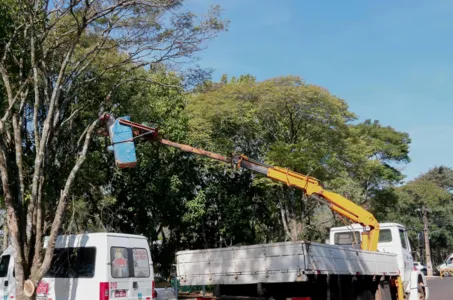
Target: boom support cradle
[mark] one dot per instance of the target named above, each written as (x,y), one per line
(123,132)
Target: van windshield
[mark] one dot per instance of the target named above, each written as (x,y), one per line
(72,263)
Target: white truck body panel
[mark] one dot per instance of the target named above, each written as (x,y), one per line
(393,239)
(278,262)
(397,242)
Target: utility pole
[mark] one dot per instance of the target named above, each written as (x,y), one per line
(429,264)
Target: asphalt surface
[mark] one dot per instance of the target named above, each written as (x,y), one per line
(440,288)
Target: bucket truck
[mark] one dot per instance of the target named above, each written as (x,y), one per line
(381,269)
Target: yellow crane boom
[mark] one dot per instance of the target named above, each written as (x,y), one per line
(313,187)
(123,133)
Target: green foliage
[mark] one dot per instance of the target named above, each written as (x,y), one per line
(182,201)
(432,191)
(372,153)
(442,176)
(63,64)
(288,123)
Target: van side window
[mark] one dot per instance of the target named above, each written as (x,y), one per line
(72,263)
(4,263)
(120,262)
(141,262)
(403,239)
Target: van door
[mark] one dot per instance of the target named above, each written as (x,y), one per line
(7,282)
(131,274)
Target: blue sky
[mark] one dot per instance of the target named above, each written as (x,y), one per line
(390,60)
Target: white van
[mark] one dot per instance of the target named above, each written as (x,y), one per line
(99,266)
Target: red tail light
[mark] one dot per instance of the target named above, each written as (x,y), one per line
(154,291)
(104,291)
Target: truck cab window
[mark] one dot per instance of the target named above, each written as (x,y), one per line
(4,263)
(403,239)
(347,238)
(385,236)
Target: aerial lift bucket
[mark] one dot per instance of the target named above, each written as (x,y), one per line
(122,139)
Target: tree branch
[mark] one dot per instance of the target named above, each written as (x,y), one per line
(44,136)
(283,215)
(62,203)
(14,100)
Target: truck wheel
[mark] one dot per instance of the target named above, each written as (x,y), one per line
(365,295)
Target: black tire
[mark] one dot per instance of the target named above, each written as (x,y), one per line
(365,295)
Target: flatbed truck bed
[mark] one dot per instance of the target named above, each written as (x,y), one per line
(279,262)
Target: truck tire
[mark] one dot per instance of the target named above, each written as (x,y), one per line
(365,295)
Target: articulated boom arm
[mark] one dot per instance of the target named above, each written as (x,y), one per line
(122,132)
(312,187)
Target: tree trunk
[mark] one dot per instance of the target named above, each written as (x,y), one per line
(293,216)
(21,296)
(5,234)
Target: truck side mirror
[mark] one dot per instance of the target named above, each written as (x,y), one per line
(6,282)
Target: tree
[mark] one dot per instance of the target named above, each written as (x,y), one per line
(371,157)
(442,176)
(437,182)
(62,64)
(286,122)
(419,193)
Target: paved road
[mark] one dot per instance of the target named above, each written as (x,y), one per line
(440,288)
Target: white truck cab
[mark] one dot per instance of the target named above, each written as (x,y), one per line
(392,239)
(99,266)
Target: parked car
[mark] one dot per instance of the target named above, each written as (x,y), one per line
(420,267)
(163,289)
(447,264)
